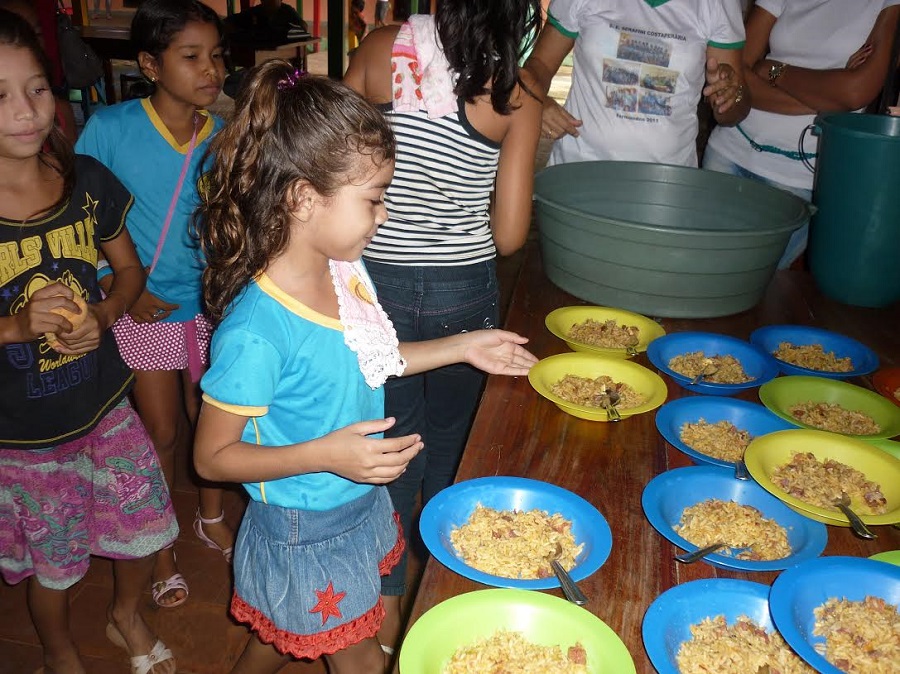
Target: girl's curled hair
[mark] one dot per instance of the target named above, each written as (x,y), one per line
(287,128)
(484,41)
(17,32)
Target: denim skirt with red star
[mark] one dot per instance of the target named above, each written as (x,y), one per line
(309,582)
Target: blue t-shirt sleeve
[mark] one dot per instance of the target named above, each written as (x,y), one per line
(244,372)
(93,141)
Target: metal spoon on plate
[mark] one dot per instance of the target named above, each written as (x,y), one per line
(709,369)
(690,557)
(859,527)
(572,592)
(608,399)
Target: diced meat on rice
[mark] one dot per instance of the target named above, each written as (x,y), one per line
(607,334)
(835,418)
(728,368)
(509,652)
(812,357)
(515,544)
(861,637)
(820,483)
(738,526)
(721,440)
(584,391)
(742,648)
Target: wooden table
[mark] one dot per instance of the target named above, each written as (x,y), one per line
(110,42)
(247,55)
(519,433)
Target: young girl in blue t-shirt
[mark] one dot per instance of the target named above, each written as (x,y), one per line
(78,473)
(155,146)
(293,400)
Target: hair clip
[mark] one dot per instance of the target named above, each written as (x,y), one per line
(291,80)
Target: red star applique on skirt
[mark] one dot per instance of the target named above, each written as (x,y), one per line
(328,603)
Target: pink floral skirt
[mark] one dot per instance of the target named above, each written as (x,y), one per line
(102,494)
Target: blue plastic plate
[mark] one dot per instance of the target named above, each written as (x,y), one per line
(668,620)
(452,507)
(770,337)
(746,416)
(755,363)
(667,495)
(797,592)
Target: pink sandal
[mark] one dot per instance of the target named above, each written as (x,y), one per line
(199,521)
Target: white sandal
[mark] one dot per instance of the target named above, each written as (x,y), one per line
(140,664)
(199,521)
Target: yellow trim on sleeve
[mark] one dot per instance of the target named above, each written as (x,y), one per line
(239,410)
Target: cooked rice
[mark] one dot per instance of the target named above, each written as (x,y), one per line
(820,484)
(897,393)
(742,648)
(738,526)
(608,334)
(721,440)
(861,637)
(585,391)
(728,368)
(812,357)
(508,652)
(832,417)
(514,543)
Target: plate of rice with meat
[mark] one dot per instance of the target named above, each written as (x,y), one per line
(605,331)
(575,382)
(503,531)
(809,470)
(715,429)
(840,614)
(716,626)
(807,350)
(696,506)
(514,631)
(832,405)
(730,365)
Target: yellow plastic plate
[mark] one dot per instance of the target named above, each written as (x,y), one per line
(547,372)
(767,453)
(560,321)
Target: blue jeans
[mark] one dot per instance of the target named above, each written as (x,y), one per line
(715,161)
(427,303)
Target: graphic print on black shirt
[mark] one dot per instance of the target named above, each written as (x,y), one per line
(47,398)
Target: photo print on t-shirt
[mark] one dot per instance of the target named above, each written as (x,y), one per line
(638,79)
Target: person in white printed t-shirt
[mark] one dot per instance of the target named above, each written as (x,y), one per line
(639,70)
(802,57)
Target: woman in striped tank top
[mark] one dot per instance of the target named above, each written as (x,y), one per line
(467,127)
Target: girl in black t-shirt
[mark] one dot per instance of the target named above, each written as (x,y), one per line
(78,473)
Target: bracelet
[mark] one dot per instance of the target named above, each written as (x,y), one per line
(102,263)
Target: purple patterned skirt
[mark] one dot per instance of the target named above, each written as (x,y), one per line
(102,494)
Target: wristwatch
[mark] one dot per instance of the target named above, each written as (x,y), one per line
(776,70)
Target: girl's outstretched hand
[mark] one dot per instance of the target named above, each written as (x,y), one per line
(351,453)
(497,352)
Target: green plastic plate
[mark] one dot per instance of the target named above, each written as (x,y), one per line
(542,618)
